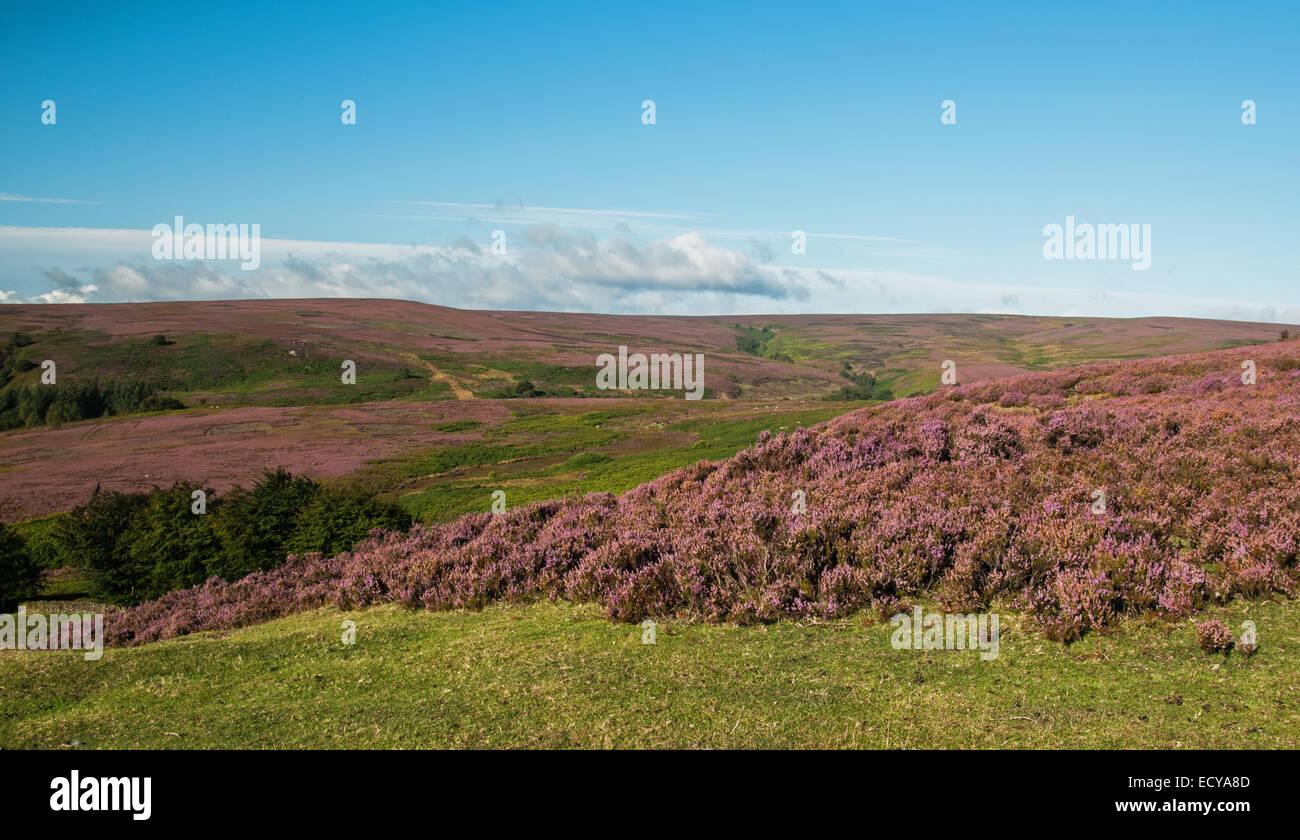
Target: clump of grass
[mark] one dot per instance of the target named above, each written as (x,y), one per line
(457,425)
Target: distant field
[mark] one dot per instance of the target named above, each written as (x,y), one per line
(551,675)
(438,459)
(287,352)
(577,454)
(429,421)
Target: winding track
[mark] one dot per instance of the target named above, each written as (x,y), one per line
(461,392)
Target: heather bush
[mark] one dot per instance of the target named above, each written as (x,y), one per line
(1213,636)
(952,496)
(1070,431)
(1010,399)
(1046,402)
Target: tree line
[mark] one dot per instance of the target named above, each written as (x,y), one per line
(138,546)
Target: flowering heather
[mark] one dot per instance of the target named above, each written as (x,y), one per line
(977,494)
(1214,636)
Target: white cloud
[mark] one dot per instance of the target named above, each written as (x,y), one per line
(547,267)
(544,267)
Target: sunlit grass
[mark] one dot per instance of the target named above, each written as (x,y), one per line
(557,675)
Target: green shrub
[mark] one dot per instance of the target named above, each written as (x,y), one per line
(254,525)
(68,402)
(99,537)
(336,520)
(42,544)
(20,577)
(137,546)
(864,387)
(177,545)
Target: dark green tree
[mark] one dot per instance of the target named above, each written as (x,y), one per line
(254,525)
(99,537)
(177,545)
(20,576)
(336,520)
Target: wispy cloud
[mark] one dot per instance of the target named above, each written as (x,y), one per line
(499,206)
(647,223)
(30,199)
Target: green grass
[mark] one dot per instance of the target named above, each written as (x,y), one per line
(1229,343)
(909,383)
(457,425)
(535,471)
(587,459)
(494,377)
(68,584)
(225,369)
(477,454)
(557,675)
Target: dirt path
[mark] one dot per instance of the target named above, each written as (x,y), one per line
(461,392)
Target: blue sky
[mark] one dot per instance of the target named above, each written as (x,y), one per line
(526,118)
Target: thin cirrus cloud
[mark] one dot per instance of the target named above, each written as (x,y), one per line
(473,208)
(33,200)
(474,212)
(652,223)
(501,213)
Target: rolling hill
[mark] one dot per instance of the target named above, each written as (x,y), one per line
(433,419)
(980,495)
(476,629)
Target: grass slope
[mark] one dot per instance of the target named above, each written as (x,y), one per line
(551,675)
(532,457)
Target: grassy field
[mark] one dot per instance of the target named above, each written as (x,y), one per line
(548,675)
(224,369)
(546,454)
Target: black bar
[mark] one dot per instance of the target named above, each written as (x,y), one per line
(882,791)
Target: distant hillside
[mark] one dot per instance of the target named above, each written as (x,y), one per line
(1076,496)
(450,405)
(287,352)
